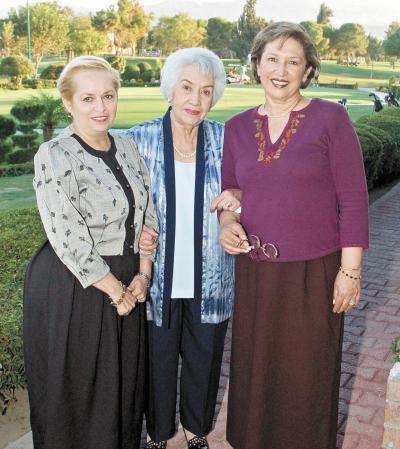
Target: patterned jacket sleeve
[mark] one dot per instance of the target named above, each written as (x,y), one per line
(150,216)
(57,196)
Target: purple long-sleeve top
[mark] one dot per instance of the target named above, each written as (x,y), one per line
(306,193)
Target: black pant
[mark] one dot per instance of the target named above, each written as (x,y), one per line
(201,348)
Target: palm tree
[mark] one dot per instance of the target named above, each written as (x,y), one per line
(53,113)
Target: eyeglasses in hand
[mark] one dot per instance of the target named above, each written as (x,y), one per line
(269,250)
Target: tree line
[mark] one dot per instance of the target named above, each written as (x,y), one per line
(126,29)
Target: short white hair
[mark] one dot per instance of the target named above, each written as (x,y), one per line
(202,59)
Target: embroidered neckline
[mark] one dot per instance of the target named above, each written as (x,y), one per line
(268,156)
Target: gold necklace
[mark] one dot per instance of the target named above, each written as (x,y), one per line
(285,113)
(184,155)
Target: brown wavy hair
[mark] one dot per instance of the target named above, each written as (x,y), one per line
(284,31)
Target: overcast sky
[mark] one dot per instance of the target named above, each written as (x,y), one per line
(375,15)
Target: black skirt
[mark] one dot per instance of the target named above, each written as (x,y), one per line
(85,365)
(286,353)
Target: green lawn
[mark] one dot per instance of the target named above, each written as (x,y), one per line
(16,192)
(138,104)
(366,75)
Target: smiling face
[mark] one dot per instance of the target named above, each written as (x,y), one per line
(192,97)
(93,105)
(282,69)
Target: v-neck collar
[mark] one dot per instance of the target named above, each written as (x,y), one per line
(265,124)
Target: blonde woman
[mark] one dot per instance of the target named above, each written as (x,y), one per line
(84,317)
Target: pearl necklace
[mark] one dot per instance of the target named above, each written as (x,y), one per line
(285,113)
(185,155)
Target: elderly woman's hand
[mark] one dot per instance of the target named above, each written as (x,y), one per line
(227,200)
(148,241)
(346,293)
(232,236)
(138,288)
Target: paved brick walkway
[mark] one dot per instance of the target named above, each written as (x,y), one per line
(369,330)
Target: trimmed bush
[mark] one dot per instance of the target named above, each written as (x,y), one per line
(39,84)
(7,85)
(21,234)
(16,67)
(7,129)
(16,169)
(143,67)
(5,147)
(20,156)
(28,114)
(147,76)
(389,148)
(24,141)
(390,125)
(131,71)
(52,72)
(373,153)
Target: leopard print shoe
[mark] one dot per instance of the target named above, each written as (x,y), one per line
(153,445)
(198,443)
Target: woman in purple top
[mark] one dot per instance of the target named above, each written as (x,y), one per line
(299,237)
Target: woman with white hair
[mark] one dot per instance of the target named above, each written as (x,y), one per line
(84,311)
(191,294)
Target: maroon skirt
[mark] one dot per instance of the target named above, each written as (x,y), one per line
(286,354)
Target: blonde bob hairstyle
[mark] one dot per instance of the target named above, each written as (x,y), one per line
(65,83)
(284,31)
(203,60)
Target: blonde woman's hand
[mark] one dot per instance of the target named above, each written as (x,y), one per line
(127,305)
(148,241)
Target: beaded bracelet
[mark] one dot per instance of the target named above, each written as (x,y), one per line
(356,278)
(117,302)
(145,276)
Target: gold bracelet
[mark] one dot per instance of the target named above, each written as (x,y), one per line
(356,278)
(349,269)
(119,301)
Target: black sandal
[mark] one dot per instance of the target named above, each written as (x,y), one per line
(153,445)
(197,443)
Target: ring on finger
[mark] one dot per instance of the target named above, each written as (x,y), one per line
(352,303)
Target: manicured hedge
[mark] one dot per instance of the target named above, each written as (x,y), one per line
(21,234)
(384,125)
(373,152)
(20,155)
(16,169)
